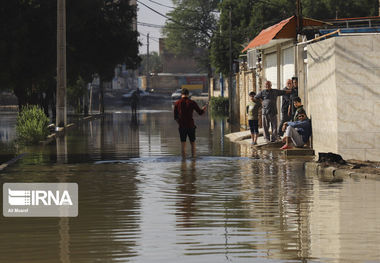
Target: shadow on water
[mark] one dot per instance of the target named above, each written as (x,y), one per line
(139,201)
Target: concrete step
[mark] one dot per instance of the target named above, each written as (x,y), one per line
(299,152)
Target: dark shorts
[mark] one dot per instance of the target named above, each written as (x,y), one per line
(184,132)
(254,126)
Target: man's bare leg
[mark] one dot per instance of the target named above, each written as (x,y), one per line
(255,136)
(183,149)
(286,140)
(193,149)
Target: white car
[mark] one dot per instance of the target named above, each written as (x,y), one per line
(176,95)
(141,94)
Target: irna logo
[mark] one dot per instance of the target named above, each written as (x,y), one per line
(38,197)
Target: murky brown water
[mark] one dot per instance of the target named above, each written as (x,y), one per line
(140,202)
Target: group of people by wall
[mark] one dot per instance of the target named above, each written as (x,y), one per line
(295,126)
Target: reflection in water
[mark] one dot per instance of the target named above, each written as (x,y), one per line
(186,193)
(7,127)
(61,144)
(140,202)
(64,245)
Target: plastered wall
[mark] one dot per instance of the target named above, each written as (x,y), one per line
(344,96)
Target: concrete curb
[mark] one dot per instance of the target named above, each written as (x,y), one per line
(238,136)
(337,173)
(241,136)
(52,136)
(47,141)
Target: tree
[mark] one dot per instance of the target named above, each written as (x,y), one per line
(99,36)
(248,18)
(27,49)
(155,63)
(191,25)
(330,9)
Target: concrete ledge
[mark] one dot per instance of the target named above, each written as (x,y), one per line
(242,136)
(59,130)
(336,173)
(238,136)
(299,152)
(263,144)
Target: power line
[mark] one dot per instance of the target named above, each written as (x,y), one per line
(159,26)
(155,11)
(161,4)
(184,9)
(171,19)
(150,25)
(153,38)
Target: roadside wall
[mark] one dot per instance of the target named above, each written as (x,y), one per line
(168,83)
(344,96)
(215,88)
(246,81)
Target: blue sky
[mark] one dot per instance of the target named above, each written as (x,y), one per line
(145,15)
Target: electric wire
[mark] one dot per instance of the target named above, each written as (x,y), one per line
(173,20)
(184,9)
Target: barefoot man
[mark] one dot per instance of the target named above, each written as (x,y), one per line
(183,114)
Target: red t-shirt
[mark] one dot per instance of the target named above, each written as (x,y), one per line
(183,112)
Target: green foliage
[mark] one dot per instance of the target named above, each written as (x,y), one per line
(219,105)
(155,63)
(191,26)
(32,125)
(249,17)
(329,9)
(99,36)
(75,93)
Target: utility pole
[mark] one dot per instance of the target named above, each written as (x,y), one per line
(147,63)
(299,16)
(61,116)
(221,80)
(230,69)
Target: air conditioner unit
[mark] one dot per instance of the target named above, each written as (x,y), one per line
(252,58)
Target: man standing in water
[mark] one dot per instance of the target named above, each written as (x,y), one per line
(183,114)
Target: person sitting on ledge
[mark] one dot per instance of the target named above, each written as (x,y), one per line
(298,131)
(297,103)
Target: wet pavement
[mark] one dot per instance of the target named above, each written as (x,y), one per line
(139,201)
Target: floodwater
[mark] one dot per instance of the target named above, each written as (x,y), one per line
(140,202)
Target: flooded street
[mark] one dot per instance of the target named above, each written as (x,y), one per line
(140,202)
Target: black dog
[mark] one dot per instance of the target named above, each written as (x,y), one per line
(330,157)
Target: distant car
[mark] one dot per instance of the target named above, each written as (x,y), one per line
(140,92)
(176,95)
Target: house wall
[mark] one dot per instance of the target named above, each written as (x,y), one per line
(344,96)
(322,95)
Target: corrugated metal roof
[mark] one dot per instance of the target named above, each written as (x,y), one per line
(267,34)
(284,29)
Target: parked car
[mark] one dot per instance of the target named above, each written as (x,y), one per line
(176,95)
(140,92)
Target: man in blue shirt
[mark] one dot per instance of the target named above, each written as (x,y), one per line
(298,131)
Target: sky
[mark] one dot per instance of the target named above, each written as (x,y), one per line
(145,15)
